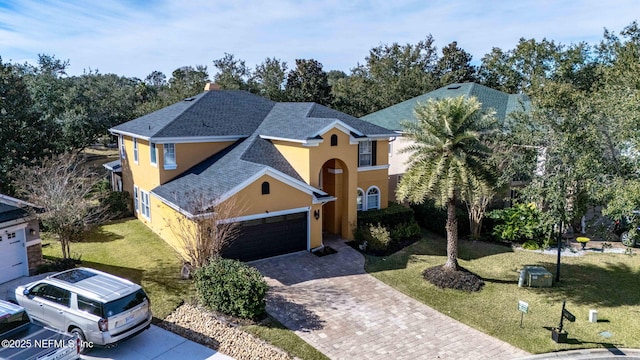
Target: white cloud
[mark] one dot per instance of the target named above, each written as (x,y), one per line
(133,38)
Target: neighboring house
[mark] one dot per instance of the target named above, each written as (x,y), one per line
(296,170)
(391,118)
(115,174)
(20,244)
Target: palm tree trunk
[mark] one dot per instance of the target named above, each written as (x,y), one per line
(452,236)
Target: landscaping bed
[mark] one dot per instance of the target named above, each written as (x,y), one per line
(204,327)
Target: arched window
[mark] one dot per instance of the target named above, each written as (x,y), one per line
(265,188)
(334,140)
(373,198)
(360,200)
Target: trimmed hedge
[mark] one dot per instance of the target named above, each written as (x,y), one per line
(386,230)
(434,218)
(231,287)
(390,217)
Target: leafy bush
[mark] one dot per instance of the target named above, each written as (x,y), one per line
(406,231)
(231,287)
(379,238)
(386,230)
(389,217)
(58,265)
(531,245)
(117,203)
(434,218)
(519,223)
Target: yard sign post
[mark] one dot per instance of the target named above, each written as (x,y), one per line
(523,307)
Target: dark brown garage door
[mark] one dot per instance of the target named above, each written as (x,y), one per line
(262,238)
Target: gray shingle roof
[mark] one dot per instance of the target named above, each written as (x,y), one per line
(211,113)
(10,212)
(244,115)
(501,102)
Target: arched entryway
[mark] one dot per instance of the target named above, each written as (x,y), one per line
(334,180)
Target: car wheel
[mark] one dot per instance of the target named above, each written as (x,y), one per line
(626,239)
(80,336)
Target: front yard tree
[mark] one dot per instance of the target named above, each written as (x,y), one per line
(448,158)
(64,190)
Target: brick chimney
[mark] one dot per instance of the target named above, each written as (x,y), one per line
(211,86)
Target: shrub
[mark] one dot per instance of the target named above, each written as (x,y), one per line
(519,223)
(117,203)
(390,217)
(58,265)
(231,287)
(379,238)
(531,245)
(434,218)
(406,231)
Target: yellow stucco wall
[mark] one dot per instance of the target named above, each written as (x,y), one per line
(340,177)
(187,156)
(165,221)
(147,176)
(297,155)
(377,178)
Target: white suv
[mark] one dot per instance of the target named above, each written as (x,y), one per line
(100,308)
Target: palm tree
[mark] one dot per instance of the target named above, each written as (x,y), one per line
(447,158)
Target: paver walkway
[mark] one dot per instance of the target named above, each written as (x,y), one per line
(345,313)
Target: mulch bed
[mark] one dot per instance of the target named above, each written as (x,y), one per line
(461,279)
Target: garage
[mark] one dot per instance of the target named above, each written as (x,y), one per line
(13,255)
(269,236)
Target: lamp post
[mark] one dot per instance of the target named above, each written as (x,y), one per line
(559,250)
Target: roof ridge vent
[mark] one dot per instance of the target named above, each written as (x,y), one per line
(453,86)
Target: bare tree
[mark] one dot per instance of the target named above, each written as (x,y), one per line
(64,189)
(204,228)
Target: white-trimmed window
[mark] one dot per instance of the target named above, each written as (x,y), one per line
(360,200)
(145,208)
(136,199)
(153,153)
(364,153)
(170,156)
(135,150)
(123,153)
(373,198)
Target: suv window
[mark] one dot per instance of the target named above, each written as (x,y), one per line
(13,321)
(52,293)
(123,304)
(91,306)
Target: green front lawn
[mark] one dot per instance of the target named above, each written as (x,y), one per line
(129,249)
(608,283)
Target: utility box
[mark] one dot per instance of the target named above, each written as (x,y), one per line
(538,276)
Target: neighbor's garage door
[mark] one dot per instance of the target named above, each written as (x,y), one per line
(13,255)
(271,236)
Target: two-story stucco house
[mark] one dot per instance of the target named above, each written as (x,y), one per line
(298,169)
(392,117)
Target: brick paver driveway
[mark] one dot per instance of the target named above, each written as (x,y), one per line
(335,306)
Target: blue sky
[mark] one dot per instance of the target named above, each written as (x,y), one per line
(134,38)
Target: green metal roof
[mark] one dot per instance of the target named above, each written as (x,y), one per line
(501,102)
